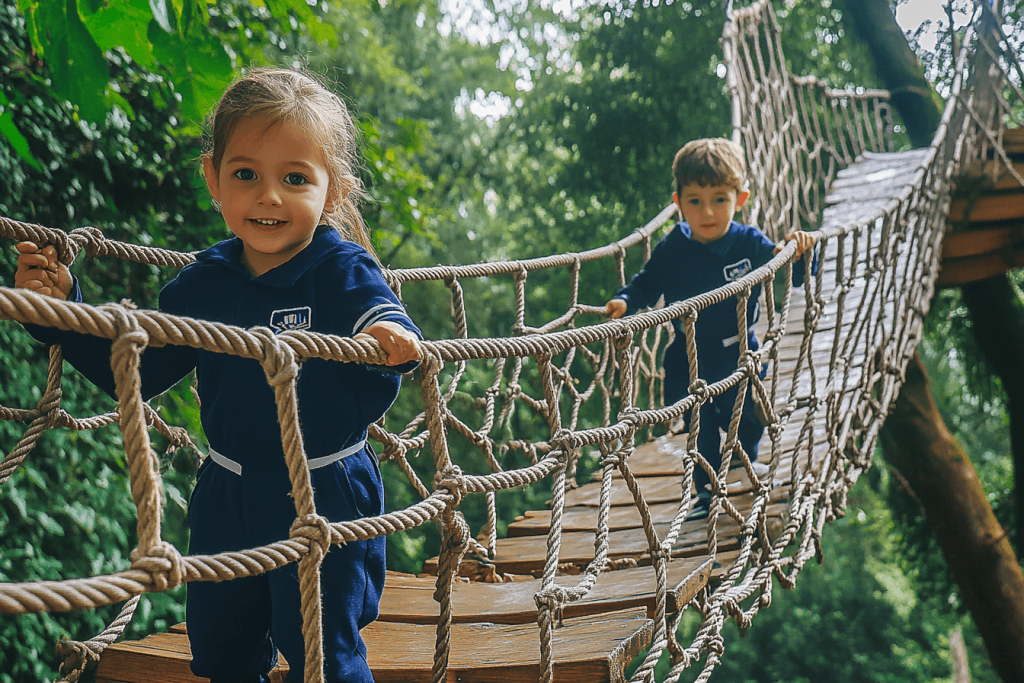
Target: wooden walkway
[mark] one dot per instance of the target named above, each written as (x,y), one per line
(495,636)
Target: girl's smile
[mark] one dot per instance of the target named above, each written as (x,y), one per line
(272,185)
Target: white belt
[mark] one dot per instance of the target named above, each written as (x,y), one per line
(314,463)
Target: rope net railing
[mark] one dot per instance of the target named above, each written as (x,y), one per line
(532,405)
(797,131)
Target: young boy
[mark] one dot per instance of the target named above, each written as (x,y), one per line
(706,251)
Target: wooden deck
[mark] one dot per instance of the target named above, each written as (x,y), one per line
(495,636)
(986,219)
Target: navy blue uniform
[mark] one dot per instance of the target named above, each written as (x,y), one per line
(242,493)
(680,268)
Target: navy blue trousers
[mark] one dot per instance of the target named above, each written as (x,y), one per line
(716,414)
(236,628)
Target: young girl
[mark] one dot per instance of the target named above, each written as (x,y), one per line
(281,166)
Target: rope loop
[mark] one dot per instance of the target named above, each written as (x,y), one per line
(278,359)
(317,530)
(612,458)
(129,332)
(76,659)
(49,404)
(689,314)
(163,563)
(699,388)
(749,363)
(660,553)
(453,481)
(552,598)
(87,238)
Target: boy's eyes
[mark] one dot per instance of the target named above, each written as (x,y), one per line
(245,174)
(296,179)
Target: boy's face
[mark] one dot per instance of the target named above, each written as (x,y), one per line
(708,210)
(272,185)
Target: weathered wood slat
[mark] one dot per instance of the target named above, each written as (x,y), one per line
(525,554)
(584,518)
(978,242)
(996,169)
(971,269)
(990,207)
(586,649)
(513,603)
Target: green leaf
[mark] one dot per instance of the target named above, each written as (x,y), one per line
(79,71)
(17,141)
(201,69)
(124,25)
(159,8)
(193,17)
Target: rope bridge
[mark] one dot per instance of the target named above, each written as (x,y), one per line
(835,351)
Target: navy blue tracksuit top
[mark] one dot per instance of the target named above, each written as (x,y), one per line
(236,628)
(680,268)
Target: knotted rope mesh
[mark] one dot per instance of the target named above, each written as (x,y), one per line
(835,354)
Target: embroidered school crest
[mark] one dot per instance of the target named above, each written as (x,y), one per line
(290,319)
(737,270)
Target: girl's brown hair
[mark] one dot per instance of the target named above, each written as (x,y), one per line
(283,95)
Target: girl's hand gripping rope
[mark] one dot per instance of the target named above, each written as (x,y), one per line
(400,345)
(40,270)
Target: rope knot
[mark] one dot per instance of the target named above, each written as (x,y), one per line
(749,364)
(76,659)
(565,440)
(551,598)
(316,529)
(689,314)
(660,553)
(163,563)
(49,404)
(453,481)
(277,358)
(129,332)
(88,238)
(699,388)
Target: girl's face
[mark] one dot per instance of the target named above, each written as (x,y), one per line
(272,185)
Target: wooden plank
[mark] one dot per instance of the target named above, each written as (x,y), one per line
(961,271)
(1013,141)
(161,657)
(513,602)
(585,649)
(991,207)
(996,169)
(584,518)
(977,242)
(526,554)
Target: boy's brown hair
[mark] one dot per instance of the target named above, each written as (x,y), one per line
(710,161)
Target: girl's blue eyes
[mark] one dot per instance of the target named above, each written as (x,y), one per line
(248,175)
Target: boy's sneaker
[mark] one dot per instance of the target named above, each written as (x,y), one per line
(701,506)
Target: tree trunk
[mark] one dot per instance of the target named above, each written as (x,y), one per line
(997,314)
(897,66)
(918,445)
